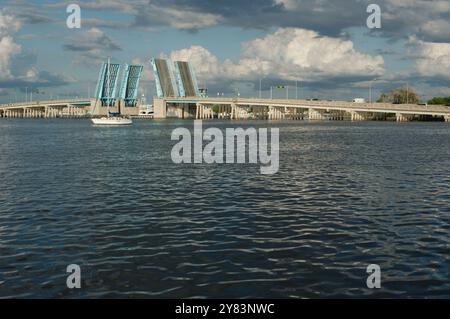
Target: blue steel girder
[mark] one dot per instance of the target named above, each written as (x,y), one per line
(130,84)
(107,84)
(170,65)
(179,80)
(194,79)
(159,91)
(163,71)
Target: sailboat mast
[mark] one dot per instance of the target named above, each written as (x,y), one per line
(108,84)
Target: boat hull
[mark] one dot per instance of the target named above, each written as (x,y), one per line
(112,121)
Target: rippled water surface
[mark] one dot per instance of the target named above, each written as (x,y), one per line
(110,200)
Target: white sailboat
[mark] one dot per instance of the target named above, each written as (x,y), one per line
(110,120)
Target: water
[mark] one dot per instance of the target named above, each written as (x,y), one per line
(110,200)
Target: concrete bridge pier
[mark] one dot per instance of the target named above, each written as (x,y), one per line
(315,115)
(233,115)
(199,112)
(281,114)
(276,113)
(359,116)
(379,116)
(204,112)
(224,112)
(337,115)
(404,117)
(296,114)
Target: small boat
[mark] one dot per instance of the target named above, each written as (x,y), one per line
(111,118)
(112,121)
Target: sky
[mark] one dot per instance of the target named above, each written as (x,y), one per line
(317,48)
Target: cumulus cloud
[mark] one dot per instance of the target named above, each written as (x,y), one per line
(176,17)
(431,59)
(401,18)
(153,13)
(90,44)
(288,54)
(8,48)
(438,30)
(93,39)
(12,75)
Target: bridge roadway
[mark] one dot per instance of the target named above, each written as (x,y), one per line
(233,108)
(242,108)
(61,108)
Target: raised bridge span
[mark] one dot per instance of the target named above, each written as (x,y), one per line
(276,109)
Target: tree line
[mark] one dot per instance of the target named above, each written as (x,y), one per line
(409,96)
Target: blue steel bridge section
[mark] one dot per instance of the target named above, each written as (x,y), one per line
(164,78)
(130,84)
(186,79)
(107,84)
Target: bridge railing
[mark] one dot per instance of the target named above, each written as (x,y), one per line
(38,103)
(331,104)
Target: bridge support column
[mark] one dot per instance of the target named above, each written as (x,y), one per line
(275,113)
(358,116)
(447,118)
(403,117)
(233,112)
(337,115)
(314,114)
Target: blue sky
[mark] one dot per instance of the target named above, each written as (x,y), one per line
(324,46)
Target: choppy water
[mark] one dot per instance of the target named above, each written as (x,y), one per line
(109,199)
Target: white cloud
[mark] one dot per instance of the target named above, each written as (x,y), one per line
(288,4)
(147,73)
(8,24)
(8,48)
(184,19)
(91,46)
(207,66)
(288,54)
(432,59)
(437,29)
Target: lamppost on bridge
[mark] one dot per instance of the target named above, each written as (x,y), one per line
(260,88)
(370,89)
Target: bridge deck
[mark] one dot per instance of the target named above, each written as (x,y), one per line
(333,105)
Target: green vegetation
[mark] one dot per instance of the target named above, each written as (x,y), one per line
(439,101)
(400,96)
